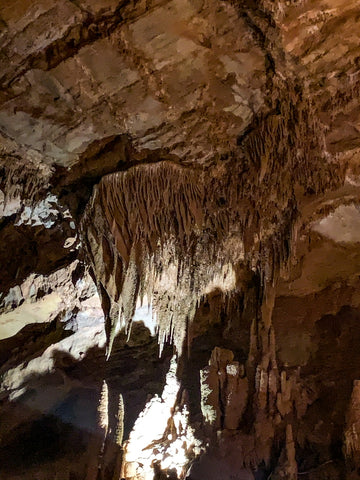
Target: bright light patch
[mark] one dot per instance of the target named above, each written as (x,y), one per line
(45,213)
(342,225)
(146,442)
(88,327)
(144,312)
(9,206)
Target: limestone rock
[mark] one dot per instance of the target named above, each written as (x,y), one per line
(179,193)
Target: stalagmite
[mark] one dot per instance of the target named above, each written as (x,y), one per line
(287,468)
(110,460)
(119,435)
(97,445)
(352,432)
(103,414)
(119,432)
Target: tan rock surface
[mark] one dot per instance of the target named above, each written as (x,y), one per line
(201,158)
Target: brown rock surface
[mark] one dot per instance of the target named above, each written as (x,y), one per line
(179,192)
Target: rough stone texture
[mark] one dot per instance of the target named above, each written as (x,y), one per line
(195,164)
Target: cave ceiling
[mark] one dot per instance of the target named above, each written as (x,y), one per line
(179,238)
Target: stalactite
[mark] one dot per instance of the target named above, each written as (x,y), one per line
(26,183)
(175,234)
(169,229)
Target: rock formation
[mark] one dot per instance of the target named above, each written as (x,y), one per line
(179,240)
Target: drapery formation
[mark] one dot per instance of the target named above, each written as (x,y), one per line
(173,232)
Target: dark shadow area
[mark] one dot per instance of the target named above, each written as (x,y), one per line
(54,421)
(27,249)
(136,371)
(42,441)
(219,322)
(212,466)
(332,368)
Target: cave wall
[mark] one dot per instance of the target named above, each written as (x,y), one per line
(179,233)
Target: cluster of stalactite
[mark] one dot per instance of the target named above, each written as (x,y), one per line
(175,233)
(166,231)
